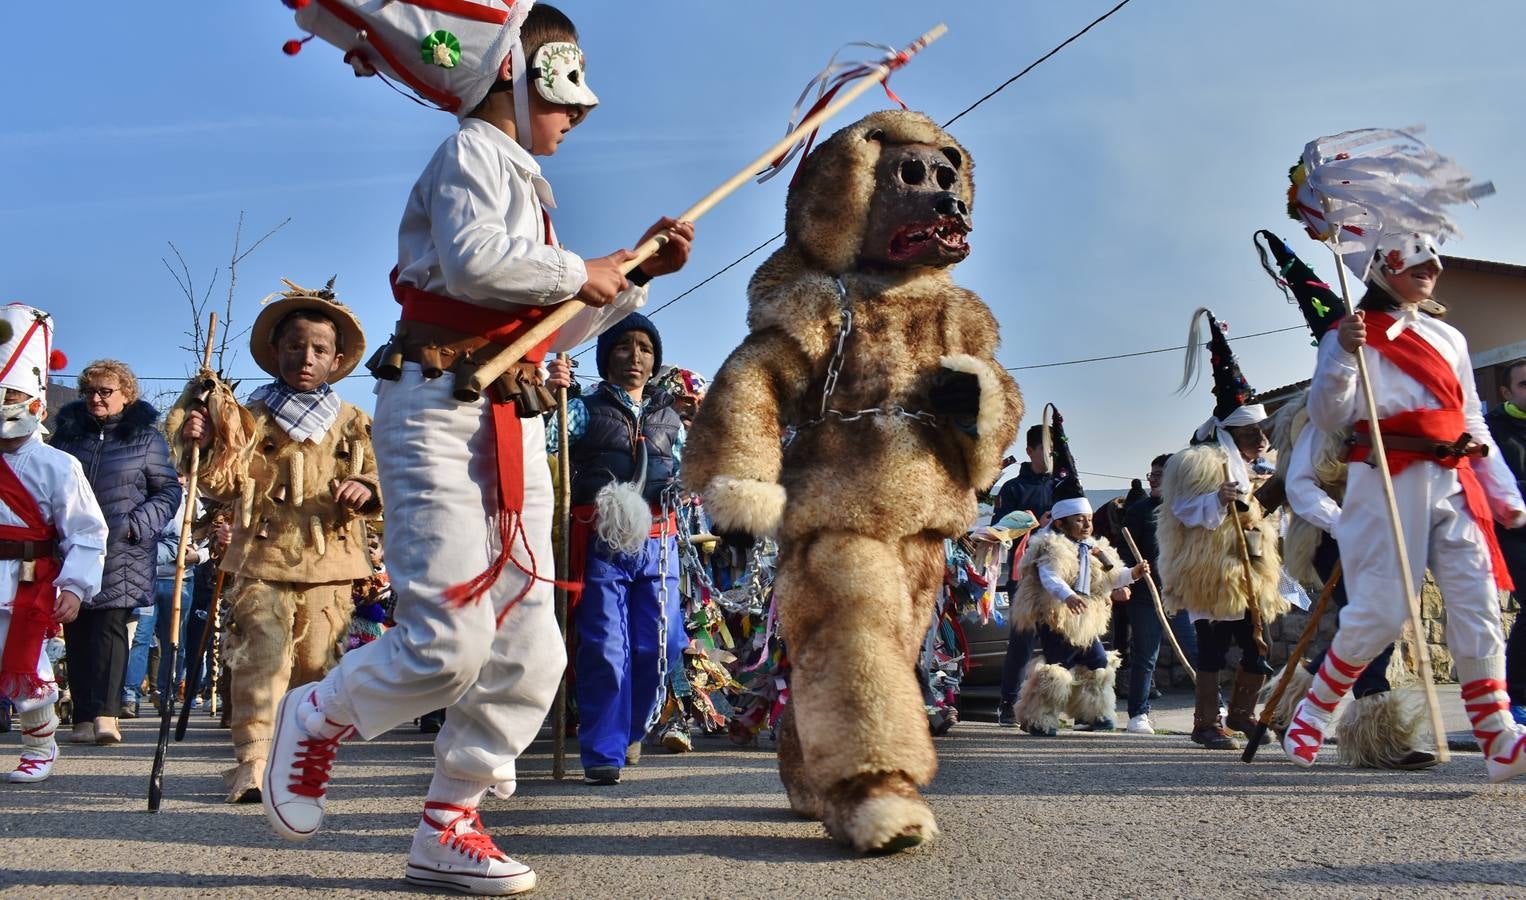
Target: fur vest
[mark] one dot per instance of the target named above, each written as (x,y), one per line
(1035,606)
(1201,571)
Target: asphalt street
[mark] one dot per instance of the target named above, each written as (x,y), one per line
(1077,815)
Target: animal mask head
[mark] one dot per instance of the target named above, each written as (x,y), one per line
(890,191)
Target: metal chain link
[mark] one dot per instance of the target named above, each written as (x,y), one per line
(662,617)
(746,598)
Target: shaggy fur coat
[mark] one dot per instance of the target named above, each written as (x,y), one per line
(1201,571)
(1034,606)
(1303,537)
(860,507)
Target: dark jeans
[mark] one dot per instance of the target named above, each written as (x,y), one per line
(1215,638)
(1147,635)
(96,644)
(1061,652)
(1019,648)
(1515,644)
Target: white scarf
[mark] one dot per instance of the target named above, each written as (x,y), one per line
(1249,414)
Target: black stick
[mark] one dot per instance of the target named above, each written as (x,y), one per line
(193,669)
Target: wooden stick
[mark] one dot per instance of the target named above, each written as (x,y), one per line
(1252,609)
(167,691)
(1379,458)
(1160,608)
(471,388)
(563,564)
(1295,659)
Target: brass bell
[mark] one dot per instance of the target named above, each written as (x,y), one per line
(264,532)
(279,495)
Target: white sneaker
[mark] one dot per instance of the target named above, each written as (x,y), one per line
(1306,733)
(39,749)
(1141,724)
(451,850)
(35,766)
(297,772)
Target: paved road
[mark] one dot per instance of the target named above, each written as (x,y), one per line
(1081,815)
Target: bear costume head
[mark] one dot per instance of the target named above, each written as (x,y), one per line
(891,191)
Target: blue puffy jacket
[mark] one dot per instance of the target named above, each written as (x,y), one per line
(127,463)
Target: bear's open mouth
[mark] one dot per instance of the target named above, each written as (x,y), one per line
(946,233)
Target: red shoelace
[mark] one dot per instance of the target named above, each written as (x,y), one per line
(310,768)
(29,765)
(1306,739)
(472,842)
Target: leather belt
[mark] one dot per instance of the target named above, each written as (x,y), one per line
(1463,447)
(439,350)
(28,550)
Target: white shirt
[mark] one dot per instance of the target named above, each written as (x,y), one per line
(1061,591)
(473,230)
(1335,402)
(56,481)
(1305,497)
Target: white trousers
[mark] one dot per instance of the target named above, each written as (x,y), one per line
(44,671)
(439,487)
(1439,534)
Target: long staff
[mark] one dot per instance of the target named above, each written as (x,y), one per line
(167,692)
(469,389)
(1295,659)
(1252,607)
(1379,458)
(193,669)
(1160,609)
(563,565)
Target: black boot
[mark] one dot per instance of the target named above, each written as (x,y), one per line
(1006,716)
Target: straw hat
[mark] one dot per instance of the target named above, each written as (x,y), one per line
(352,341)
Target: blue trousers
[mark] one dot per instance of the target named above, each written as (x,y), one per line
(1145,634)
(618,621)
(1060,652)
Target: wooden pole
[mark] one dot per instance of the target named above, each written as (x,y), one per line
(1295,659)
(1160,609)
(1379,459)
(1252,609)
(471,388)
(563,564)
(167,691)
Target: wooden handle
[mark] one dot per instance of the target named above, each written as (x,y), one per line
(490,370)
(1160,609)
(563,564)
(1295,658)
(1252,609)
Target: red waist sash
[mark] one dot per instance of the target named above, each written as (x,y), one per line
(32,608)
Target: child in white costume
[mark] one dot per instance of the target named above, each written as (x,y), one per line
(1449,481)
(52,537)
(468,545)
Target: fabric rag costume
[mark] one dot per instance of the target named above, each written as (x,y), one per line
(1202,564)
(470,502)
(884,372)
(52,538)
(1450,485)
(1075,676)
(295,552)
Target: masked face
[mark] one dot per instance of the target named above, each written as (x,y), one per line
(558,72)
(21,418)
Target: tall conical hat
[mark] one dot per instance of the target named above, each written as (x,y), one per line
(1230,389)
(1322,307)
(26,349)
(1069,497)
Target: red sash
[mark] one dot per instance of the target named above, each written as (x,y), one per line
(502,326)
(1415,356)
(32,610)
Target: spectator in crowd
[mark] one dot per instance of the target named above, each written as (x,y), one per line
(1031,489)
(1507,424)
(127,462)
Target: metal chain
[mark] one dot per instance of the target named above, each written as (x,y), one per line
(746,598)
(662,617)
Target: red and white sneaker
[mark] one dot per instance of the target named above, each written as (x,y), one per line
(1501,739)
(38,749)
(451,850)
(297,772)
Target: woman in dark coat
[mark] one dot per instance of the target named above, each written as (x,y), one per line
(111,432)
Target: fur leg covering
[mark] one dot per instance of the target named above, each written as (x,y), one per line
(1379,730)
(1297,688)
(1044,696)
(1092,696)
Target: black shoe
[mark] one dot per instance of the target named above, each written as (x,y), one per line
(430,723)
(1006,716)
(601,775)
(1155,693)
(1415,760)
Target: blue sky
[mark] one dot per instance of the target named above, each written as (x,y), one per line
(1117,185)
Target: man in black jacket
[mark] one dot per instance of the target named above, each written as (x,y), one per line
(1507,423)
(1031,489)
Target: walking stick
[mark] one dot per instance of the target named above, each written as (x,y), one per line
(563,564)
(1379,459)
(1252,608)
(470,388)
(193,674)
(156,775)
(1160,609)
(1295,659)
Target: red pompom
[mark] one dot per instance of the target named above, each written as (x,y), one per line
(57,361)
(296,4)
(292,47)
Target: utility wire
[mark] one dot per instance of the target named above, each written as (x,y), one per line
(1091,359)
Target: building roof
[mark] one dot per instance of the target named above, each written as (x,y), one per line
(1483,265)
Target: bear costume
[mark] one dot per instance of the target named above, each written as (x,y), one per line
(855,424)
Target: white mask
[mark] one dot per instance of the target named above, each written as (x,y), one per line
(20,419)
(558,70)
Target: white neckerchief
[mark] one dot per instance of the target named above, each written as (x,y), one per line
(1084,580)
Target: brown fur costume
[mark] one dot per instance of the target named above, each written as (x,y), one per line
(1202,570)
(860,507)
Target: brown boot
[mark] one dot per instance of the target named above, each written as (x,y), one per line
(1206,729)
(1242,703)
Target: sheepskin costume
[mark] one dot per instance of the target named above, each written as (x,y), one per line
(1033,605)
(861,505)
(1092,697)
